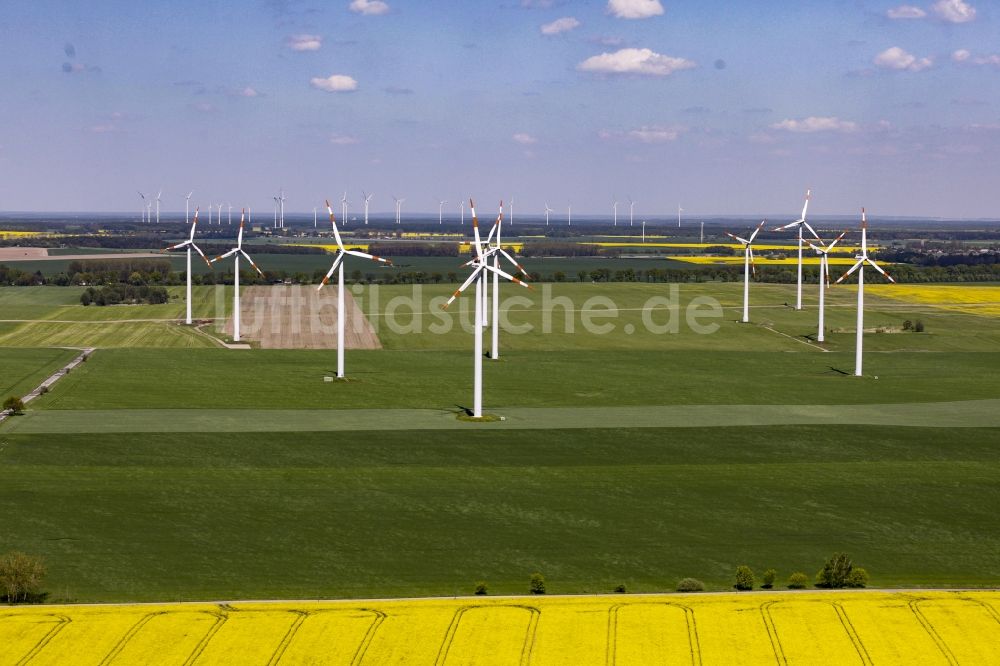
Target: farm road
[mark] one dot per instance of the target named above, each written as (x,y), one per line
(969,413)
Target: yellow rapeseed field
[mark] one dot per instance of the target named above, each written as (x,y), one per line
(331,247)
(13,235)
(736,246)
(465,248)
(857,627)
(972,298)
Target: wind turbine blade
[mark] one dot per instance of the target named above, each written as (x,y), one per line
(737,238)
(239,237)
(819,248)
(811,230)
(850,270)
(333,223)
(365,255)
(198,250)
(836,240)
(880,270)
(788,226)
(255,267)
(336,262)
(826,264)
(226,255)
(805,205)
(475,230)
(507,276)
(468,281)
(757,230)
(179,245)
(512,260)
(753,266)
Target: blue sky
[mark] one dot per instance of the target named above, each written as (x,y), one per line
(723,107)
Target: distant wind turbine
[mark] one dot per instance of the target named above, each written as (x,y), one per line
(547,211)
(679,210)
(799,224)
(314,217)
(235,253)
(399,206)
(187,204)
(461,208)
(281,202)
(441,204)
(569,215)
(631,210)
(510,205)
(824,275)
(189,243)
(142,211)
(343,208)
(747,266)
(158,195)
(614,207)
(368,198)
(863,259)
(275,212)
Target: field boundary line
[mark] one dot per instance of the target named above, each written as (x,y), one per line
(44,640)
(220,619)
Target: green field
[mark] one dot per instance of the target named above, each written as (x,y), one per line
(162,473)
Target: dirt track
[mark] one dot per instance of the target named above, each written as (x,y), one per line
(23,253)
(299,317)
(42,254)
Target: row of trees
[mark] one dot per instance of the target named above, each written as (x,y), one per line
(127,294)
(837,573)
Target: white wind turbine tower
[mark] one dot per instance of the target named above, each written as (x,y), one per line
(679,211)
(338,265)
(314,217)
(569,215)
(343,208)
(399,205)
(863,259)
(275,212)
(799,224)
(614,207)
(149,211)
(824,275)
(158,195)
(461,209)
(281,203)
(142,210)
(368,198)
(547,211)
(229,219)
(235,253)
(441,204)
(481,267)
(187,206)
(631,210)
(747,266)
(220,214)
(189,244)
(510,205)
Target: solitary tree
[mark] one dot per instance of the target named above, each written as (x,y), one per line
(744,578)
(537,583)
(836,573)
(20,576)
(13,404)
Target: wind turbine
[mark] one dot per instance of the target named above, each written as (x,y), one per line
(399,205)
(679,210)
(149,211)
(229,219)
(189,243)
(338,263)
(614,207)
(368,198)
(824,275)
(547,211)
(343,208)
(481,267)
(747,266)
(275,212)
(187,204)
(142,210)
(235,253)
(441,204)
(494,250)
(220,214)
(461,208)
(158,195)
(314,217)
(510,205)
(631,210)
(569,215)
(799,223)
(863,259)
(281,203)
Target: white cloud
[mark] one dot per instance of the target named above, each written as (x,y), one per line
(897,58)
(564,24)
(635,61)
(344,140)
(247,92)
(954,11)
(816,124)
(334,83)
(524,139)
(906,12)
(988,60)
(654,134)
(369,7)
(961,55)
(305,42)
(635,9)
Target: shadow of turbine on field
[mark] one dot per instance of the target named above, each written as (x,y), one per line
(838,371)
